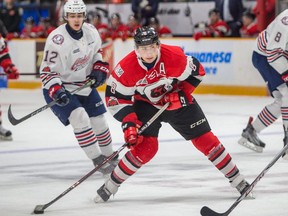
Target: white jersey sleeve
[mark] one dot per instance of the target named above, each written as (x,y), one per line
(273,42)
(68,61)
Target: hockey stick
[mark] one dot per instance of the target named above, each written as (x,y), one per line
(21,74)
(39,209)
(15,121)
(206,211)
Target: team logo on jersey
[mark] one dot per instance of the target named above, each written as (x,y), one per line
(112,102)
(58,39)
(80,63)
(284,20)
(191,64)
(118,70)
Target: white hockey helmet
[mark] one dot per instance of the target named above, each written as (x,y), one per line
(74,6)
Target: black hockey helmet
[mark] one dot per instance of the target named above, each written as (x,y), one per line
(146,35)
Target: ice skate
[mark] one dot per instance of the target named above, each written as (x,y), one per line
(285,140)
(241,185)
(5,134)
(105,191)
(107,168)
(250,139)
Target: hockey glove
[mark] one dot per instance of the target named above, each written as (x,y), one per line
(10,69)
(176,100)
(284,77)
(99,73)
(130,126)
(58,94)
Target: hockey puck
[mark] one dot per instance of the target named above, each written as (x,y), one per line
(39,209)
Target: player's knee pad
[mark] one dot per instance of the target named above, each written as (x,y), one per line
(146,150)
(99,124)
(206,142)
(79,119)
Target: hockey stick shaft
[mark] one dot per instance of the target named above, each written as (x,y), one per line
(39,209)
(206,211)
(22,74)
(15,121)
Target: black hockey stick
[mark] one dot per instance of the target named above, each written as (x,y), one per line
(39,209)
(21,74)
(206,211)
(15,121)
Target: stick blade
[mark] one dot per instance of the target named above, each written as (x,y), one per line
(11,118)
(39,209)
(206,211)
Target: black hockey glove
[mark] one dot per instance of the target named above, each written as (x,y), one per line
(99,73)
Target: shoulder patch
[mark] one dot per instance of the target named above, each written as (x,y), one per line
(284,20)
(118,70)
(58,39)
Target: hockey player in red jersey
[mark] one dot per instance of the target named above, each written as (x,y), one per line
(141,83)
(12,73)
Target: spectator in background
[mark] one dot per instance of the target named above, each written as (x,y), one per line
(60,21)
(95,19)
(30,30)
(45,27)
(162,30)
(132,24)
(144,10)
(3,30)
(231,12)
(117,28)
(249,28)
(11,17)
(265,13)
(216,28)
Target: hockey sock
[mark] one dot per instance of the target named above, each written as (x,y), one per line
(88,142)
(101,129)
(105,142)
(266,117)
(223,162)
(127,166)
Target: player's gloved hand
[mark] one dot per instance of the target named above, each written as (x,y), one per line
(12,71)
(130,126)
(58,94)
(176,100)
(285,77)
(99,73)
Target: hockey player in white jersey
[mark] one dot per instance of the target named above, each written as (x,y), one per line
(72,56)
(270,58)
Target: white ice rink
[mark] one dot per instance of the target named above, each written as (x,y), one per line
(44,160)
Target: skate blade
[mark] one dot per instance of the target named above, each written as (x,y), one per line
(5,138)
(98,199)
(244,142)
(285,156)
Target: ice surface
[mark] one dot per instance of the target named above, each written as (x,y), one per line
(44,159)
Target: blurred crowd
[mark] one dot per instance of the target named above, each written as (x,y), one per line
(227,19)
(230,18)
